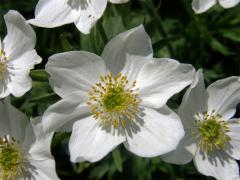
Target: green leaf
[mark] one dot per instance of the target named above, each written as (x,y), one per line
(39,75)
(117,159)
(65,43)
(49,98)
(219,47)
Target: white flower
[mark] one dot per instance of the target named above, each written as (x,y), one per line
(83,13)
(17,56)
(200,6)
(24,148)
(111,99)
(212,136)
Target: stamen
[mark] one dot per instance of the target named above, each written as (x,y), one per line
(211,131)
(113,101)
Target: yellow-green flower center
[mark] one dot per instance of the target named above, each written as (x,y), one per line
(3,63)
(211,132)
(10,158)
(113,100)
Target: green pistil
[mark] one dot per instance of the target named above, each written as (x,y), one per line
(212,133)
(116,99)
(10,158)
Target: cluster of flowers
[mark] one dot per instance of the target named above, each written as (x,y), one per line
(118,97)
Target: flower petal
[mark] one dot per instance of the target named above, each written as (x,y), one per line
(13,122)
(91,142)
(74,71)
(228,3)
(118,1)
(36,141)
(200,6)
(89,14)
(154,133)
(184,152)
(4,91)
(43,170)
(218,165)
(134,41)
(26,61)
(20,37)
(224,95)
(61,13)
(234,134)
(162,78)
(18,81)
(61,115)
(194,101)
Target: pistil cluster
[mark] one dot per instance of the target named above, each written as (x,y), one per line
(211,131)
(113,100)
(10,158)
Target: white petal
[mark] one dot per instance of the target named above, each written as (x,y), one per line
(43,170)
(218,165)
(91,142)
(234,134)
(194,101)
(154,133)
(18,81)
(228,3)
(200,6)
(74,71)
(224,95)
(36,141)
(26,61)
(134,41)
(61,115)
(184,152)
(133,66)
(118,1)
(89,15)
(20,37)
(61,12)
(13,122)
(4,91)
(162,78)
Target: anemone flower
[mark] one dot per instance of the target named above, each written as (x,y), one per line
(119,97)
(212,136)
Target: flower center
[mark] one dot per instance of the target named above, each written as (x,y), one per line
(113,100)
(10,158)
(3,63)
(212,131)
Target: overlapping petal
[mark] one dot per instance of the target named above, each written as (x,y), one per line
(134,41)
(150,134)
(160,79)
(61,13)
(74,71)
(224,95)
(217,164)
(61,115)
(90,141)
(20,37)
(194,101)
